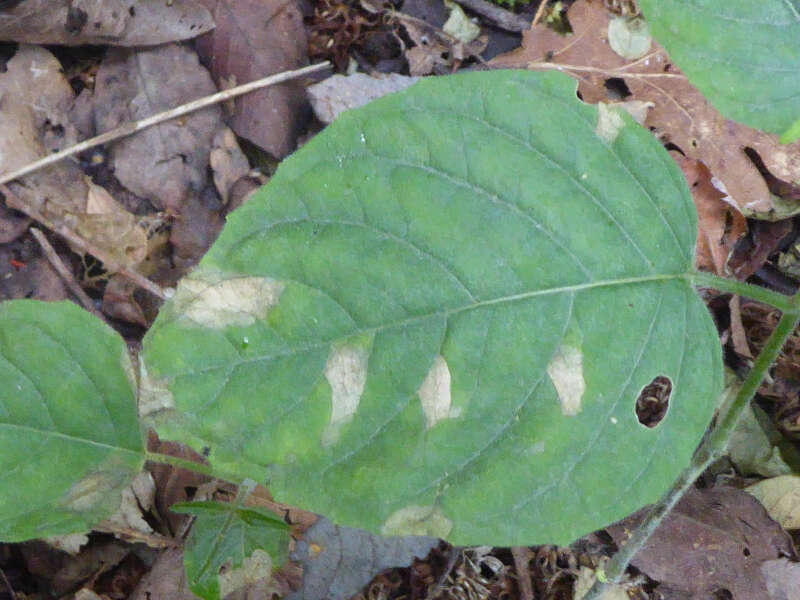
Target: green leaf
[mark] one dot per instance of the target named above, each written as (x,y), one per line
(437,317)
(248,540)
(792,134)
(742,55)
(69,431)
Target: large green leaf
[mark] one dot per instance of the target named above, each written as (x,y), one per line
(437,317)
(69,431)
(742,55)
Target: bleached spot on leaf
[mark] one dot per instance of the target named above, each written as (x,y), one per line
(232,302)
(609,123)
(94,490)
(154,393)
(566,372)
(418,520)
(255,567)
(536,448)
(434,394)
(346,372)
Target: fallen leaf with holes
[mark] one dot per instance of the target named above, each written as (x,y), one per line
(254,39)
(714,539)
(339,561)
(720,225)
(116,22)
(680,114)
(166,163)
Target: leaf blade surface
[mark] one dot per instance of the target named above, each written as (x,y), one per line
(458,297)
(68,421)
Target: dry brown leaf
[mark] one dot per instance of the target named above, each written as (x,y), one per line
(166,163)
(254,39)
(116,22)
(36,98)
(435,51)
(720,225)
(680,114)
(228,162)
(107,224)
(714,538)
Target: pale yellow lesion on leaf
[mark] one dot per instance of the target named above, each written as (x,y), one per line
(435,394)
(566,373)
(346,373)
(418,520)
(226,302)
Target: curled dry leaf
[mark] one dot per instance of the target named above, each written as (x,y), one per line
(228,162)
(254,39)
(116,22)
(166,163)
(680,114)
(720,225)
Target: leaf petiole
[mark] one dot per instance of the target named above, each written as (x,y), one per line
(780,301)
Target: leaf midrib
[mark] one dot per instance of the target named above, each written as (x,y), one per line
(446,313)
(71,438)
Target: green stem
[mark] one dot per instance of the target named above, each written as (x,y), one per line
(711,448)
(190,465)
(780,301)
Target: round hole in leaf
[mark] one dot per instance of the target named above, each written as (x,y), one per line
(653,401)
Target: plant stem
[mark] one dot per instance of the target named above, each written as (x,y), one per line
(190,465)
(711,448)
(780,301)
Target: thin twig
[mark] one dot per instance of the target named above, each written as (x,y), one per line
(131,128)
(65,274)
(10,589)
(504,19)
(436,588)
(77,242)
(539,13)
(548,66)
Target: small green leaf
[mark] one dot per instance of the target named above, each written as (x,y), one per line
(742,55)
(451,298)
(249,541)
(69,431)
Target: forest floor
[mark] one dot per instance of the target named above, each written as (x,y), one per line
(91,228)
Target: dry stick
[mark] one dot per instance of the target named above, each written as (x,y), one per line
(81,244)
(64,272)
(539,12)
(131,128)
(547,66)
(10,589)
(504,19)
